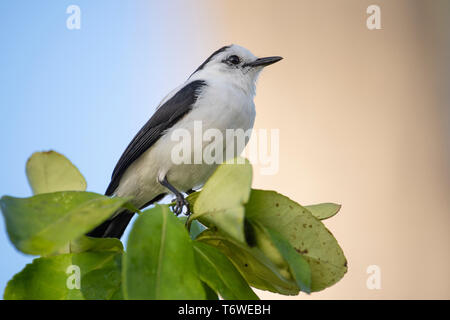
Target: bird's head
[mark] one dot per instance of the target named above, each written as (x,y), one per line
(234,64)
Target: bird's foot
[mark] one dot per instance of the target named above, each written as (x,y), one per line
(180,201)
(180,204)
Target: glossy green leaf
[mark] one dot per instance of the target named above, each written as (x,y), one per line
(45,223)
(51,172)
(298,266)
(323,211)
(221,202)
(305,233)
(210,293)
(85,275)
(254,263)
(159,263)
(195,227)
(89,244)
(192,198)
(219,273)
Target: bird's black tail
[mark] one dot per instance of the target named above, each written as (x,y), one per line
(115,226)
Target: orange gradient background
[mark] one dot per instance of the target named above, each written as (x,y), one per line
(364,121)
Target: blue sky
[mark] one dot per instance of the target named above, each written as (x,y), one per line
(85,93)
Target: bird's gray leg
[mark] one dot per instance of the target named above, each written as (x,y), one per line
(180,200)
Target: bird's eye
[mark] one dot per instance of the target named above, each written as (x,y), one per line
(234,59)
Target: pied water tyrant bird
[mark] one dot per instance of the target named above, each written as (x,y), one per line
(220,94)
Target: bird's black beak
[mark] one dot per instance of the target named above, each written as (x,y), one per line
(263,62)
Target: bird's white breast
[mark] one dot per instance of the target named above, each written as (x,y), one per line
(220,105)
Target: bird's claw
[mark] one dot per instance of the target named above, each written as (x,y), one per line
(180,203)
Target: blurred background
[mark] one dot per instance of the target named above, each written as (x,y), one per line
(364,115)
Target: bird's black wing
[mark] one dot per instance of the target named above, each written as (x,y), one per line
(164,118)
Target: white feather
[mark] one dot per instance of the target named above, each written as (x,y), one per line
(226,102)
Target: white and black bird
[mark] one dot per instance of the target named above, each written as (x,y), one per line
(220,94)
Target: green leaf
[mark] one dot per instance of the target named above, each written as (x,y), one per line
(323,211)
(49,278)
(104,283)
(159,263)
(44,223)
(219,273)
(195,227)
(221,202)
(51,172)
(253,262)
(304,232)
(210,293)
(192,198)
(298,266)
(89,244)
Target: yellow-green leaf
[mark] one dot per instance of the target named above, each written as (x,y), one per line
(305,233)
(221,202)
(88,275)
(45,223)
(323,211)
(298,266)
(89,244)
(159,262)
(219,273)
(51,172)
(254,263)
